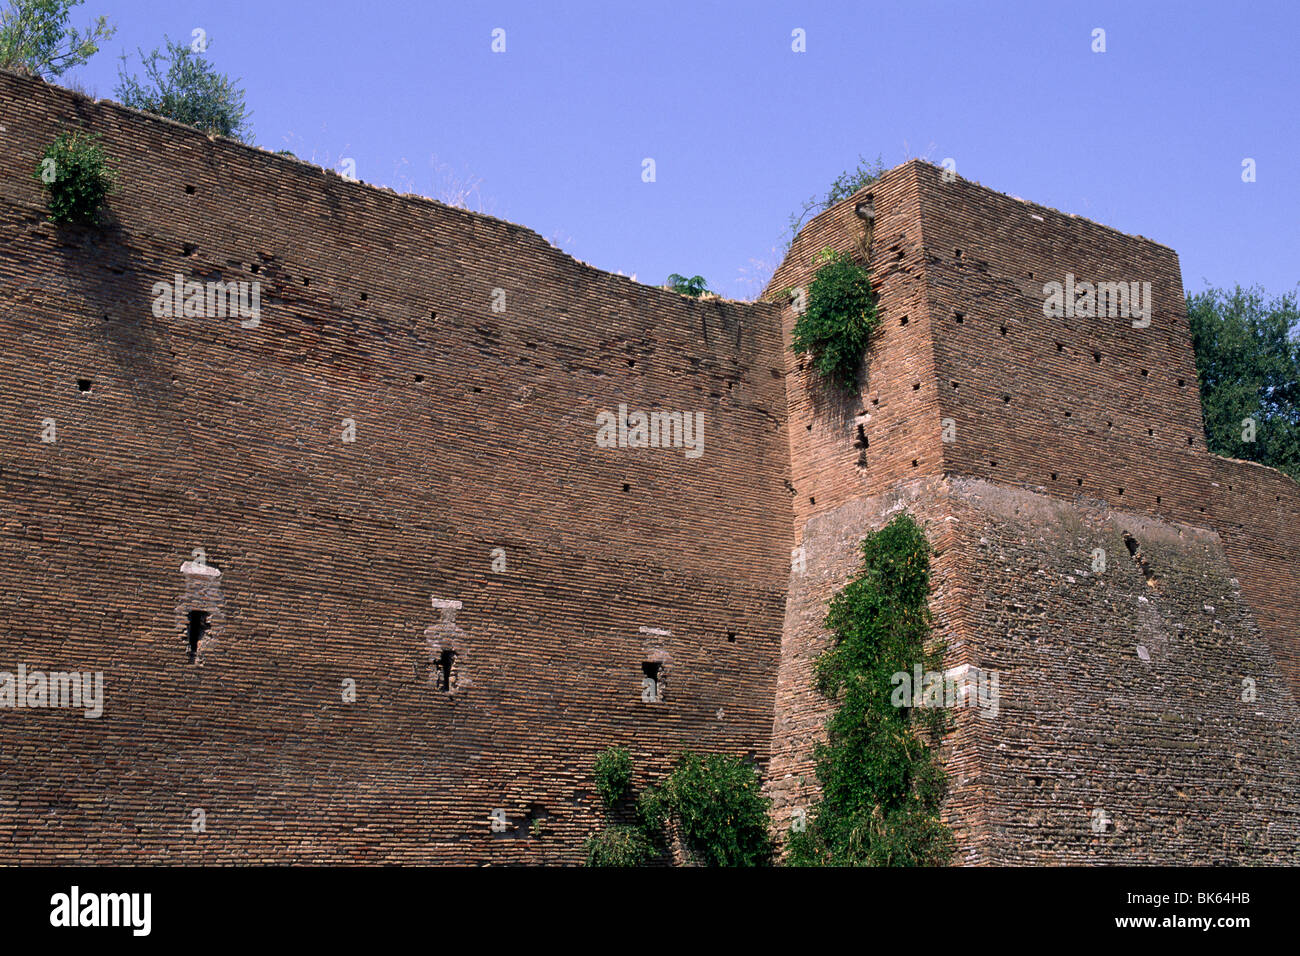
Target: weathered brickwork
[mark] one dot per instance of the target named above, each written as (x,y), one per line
(1103,416)
(474,430)
(470,361)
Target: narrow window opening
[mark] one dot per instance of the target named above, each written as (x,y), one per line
(861,440)
(1096,356)
(83,384)
(916,387)
(731,637)
(188,249)
(364,297)
(1060,347)
(626,486)
(189,190)
(1053,476)
(446,661)
(198,626)
(650,682)
(960,317)
(903,321)
(1003,329)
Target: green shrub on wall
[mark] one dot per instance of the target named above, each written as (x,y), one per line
(882,786)
(76,177)
(838,319)
(713,804)
(620,845)
(613,773)
(716,806)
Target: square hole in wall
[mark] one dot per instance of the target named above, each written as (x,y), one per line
(651,683)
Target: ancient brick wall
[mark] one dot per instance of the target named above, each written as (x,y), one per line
(1092,406)
(1142,717)
(1103,416)
(475,430)
(475,534)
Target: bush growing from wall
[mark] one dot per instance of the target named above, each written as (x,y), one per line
(620,844)
(838,320)
(76,177)
(695,286)
(882,786)
(613,773)
(714,804)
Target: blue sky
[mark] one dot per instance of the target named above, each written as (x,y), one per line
(1148,137)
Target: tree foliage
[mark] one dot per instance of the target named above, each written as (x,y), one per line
(35,37)
(1248,362)
(180,83)
(838,320)
(882,786)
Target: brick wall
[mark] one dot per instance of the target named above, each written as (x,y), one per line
(1093,426)
(475,430)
